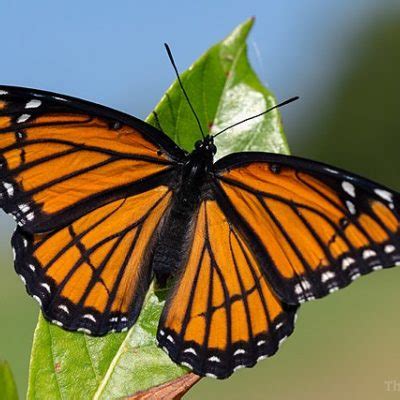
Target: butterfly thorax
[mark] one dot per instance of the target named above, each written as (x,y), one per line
(191,186)
(200,160)
(195,172)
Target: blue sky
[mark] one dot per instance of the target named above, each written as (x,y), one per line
(114,54)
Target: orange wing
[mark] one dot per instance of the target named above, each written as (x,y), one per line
(62,157)
(315,229)
(93,274)
(222,314)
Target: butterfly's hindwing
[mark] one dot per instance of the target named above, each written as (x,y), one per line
(93,274)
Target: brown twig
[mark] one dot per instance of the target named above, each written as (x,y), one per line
(172,390)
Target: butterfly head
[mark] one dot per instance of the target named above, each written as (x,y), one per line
(205,147)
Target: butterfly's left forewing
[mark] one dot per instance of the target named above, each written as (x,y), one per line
(222,314)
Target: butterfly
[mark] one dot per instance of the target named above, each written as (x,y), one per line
(105,204)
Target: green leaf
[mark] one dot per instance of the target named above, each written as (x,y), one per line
(8,389)
(223,89)
(74,365)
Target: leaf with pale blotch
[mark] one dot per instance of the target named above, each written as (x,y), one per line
(224,89)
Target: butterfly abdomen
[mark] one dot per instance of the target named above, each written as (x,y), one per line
(173,240)
(176,232)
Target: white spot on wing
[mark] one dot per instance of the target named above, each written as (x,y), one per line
(186,364)
(214,359)
(170,338)
(190,350)
(3,92)
(90,316)
(58,323)
(22,279)
(298,289)
(30,216)
(59,98)
(23,118)
(37,298)
(24,207)
(239,351)
(384,194)
(351,207)
(332,171)
(368,253)
(33,104)
(209,375)
(349,188)
(306,284)
(326,276)
(46,286)
(347,262)
(64,308)
(9,187)
(355,276)
(389,248)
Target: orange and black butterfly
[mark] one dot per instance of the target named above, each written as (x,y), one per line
(105,203)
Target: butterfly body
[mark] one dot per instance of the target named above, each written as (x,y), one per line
(192,184)
(105,202)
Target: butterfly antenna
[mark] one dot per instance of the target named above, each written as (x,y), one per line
(258,115)
(171,58)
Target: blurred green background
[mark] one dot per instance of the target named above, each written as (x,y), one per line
(342,59)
